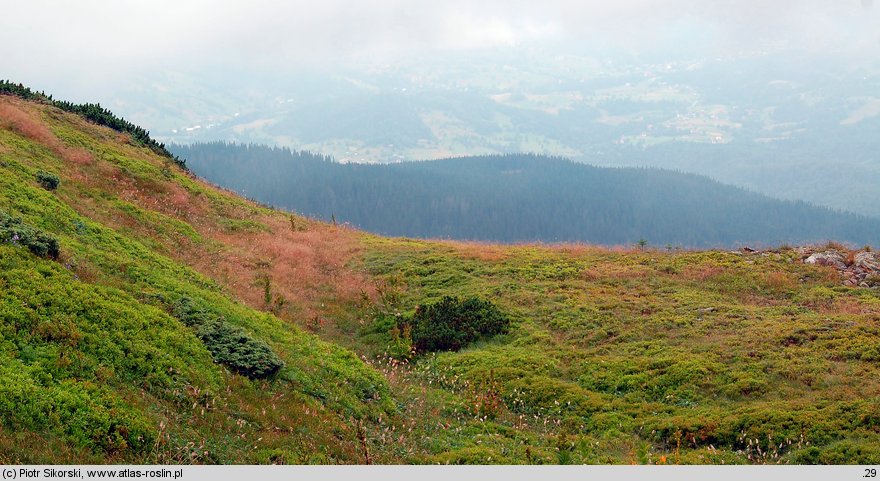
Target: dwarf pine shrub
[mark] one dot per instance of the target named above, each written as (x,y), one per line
(15,231)
(229,345)
(48,180)
(450,324)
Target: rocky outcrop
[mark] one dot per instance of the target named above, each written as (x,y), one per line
(859,269)
(867,261)
(828,258)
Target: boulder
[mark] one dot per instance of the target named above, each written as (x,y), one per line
(827,258)
(867,261)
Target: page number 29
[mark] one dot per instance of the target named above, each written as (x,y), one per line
(870,473)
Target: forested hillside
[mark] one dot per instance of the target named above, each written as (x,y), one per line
(520,197)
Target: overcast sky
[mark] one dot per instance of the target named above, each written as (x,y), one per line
(44,42)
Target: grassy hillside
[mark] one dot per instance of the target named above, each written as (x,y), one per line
(112,351)
(94,359)
(650,357)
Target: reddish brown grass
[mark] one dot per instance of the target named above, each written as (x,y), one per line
(613,270)
(846,305)
(701,272)
(578,250)
(306,267)
(19,121)
(480,251)
(589,275)
(14,116)
(779,281)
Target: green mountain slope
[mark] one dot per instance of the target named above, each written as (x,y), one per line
(93,356)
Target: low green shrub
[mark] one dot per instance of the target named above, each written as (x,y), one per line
(228,344)
(48,180)
(233,347)
(82,412)
(15,231)
(401,345)
(471,455)
(451,324)
(847,451)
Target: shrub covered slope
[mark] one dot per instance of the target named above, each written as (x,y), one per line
(96,364)
(642,356)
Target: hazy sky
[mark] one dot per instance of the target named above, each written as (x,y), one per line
(88,42)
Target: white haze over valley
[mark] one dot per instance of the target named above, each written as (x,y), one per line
(781,97)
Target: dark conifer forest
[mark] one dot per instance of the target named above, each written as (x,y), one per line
(521,198)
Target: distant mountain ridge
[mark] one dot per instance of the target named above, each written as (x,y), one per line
(521,198)
(789,124)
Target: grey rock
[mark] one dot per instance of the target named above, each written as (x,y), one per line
(827,258)
(867,261)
